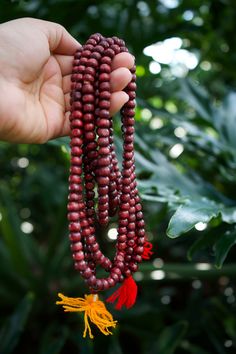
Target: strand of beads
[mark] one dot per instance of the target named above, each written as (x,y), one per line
(94,167)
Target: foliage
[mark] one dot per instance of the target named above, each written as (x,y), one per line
(185,160)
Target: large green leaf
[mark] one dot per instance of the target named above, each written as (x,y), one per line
(225,119)
(193,349)
(170,338)
(223,246)
(51,341)
(205,240)
(166,181)
(198,210)
(18,244)
(189,214)
(228,215)
(14,326)
(197,97)
(63,143)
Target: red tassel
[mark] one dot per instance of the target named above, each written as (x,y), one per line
(126,294)
(147,252)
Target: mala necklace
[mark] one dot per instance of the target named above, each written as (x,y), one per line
(94,169)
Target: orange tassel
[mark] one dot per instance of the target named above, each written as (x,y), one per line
(126,294)
(147,252)
(94,310)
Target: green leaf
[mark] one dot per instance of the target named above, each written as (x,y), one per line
(189,214)
(223,246)
(59,141)
(63,143)
(114,345)
(197,97)
(170,338)
(54,346)
(193,349)
(52,340)
(203,241)
(224,120)
(17,243)
(14,326)
(229,215)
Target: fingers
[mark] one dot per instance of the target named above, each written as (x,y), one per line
(118,99)
(122,60)
(119,79)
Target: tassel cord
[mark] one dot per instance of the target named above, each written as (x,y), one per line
(94,312)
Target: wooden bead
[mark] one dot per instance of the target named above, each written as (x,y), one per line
(78,256)
(75,237)
(106,60)
(77,246)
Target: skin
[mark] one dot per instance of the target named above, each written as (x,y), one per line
(35,65)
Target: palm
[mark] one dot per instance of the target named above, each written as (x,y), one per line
(43,104)
(48,106)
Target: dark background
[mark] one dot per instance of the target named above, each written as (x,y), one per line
(186,160)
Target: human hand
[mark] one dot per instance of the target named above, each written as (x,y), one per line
(35,65)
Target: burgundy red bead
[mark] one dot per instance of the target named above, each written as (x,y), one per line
(95,170)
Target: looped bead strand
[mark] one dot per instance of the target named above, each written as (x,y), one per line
(95,171)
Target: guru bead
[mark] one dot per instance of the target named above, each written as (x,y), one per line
(94,167)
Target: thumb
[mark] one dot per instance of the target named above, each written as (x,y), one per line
(59,39)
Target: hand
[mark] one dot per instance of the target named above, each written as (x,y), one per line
(35,65)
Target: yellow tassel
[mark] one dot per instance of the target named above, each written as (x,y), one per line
(94,310)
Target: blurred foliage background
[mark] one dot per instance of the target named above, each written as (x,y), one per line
(186,158)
